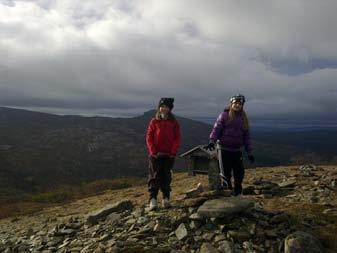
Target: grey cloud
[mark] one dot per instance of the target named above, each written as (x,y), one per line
(191,29)
(9,3)
(103,57)
(294,65)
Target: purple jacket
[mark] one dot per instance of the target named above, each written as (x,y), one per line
(231,135)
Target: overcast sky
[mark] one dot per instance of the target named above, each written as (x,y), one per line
(118,57)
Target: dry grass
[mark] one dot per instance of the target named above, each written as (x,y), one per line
(20,208)
(64,194)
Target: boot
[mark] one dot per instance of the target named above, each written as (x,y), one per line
(237,190)
(153,204)
(166,203)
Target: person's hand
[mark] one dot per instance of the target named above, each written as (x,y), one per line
(210,146)
(154,156)
(251,158)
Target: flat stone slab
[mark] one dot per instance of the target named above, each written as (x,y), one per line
(289,183)
(194,192)
(224,207)
(181,231)
(216,194)
(331,212)
(120,206)
(194,201)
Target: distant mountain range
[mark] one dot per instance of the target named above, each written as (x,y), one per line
(290,125)
(39,151)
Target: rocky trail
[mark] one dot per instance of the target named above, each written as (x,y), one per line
(283,209)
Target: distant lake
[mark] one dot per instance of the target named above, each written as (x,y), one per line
(286,125)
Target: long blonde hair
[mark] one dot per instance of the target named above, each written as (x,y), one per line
(169,115)
(232,114)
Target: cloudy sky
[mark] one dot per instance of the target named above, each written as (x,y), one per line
(118,57)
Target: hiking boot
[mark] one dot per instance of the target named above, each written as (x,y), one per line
(166,203)
(153,204)
(237,190)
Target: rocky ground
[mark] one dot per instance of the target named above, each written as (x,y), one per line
(283,209)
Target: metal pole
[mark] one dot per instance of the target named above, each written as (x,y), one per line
(222,174)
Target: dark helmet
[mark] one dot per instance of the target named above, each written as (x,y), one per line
(238,97)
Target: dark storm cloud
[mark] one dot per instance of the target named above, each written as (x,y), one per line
(105,57)
(295,66)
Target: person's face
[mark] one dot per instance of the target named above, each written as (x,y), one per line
(237,106)
(164,109)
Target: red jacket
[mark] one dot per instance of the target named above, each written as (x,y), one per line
(163,136)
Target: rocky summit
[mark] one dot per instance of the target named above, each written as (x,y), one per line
(282,209)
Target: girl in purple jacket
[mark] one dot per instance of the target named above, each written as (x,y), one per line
(232,130)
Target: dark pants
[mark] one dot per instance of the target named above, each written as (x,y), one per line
(233,161)
(160,176)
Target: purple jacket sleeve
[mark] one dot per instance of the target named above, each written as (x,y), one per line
(247,142)
(218,126)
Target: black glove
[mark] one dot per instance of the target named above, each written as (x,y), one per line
(210,146)
(251,158)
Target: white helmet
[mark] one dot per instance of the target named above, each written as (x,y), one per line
(238,97)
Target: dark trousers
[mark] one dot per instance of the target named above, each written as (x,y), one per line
(160,176)
(232,161)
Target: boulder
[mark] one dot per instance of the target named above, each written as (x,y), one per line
(301,242)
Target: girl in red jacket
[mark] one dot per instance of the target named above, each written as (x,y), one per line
(163,140)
